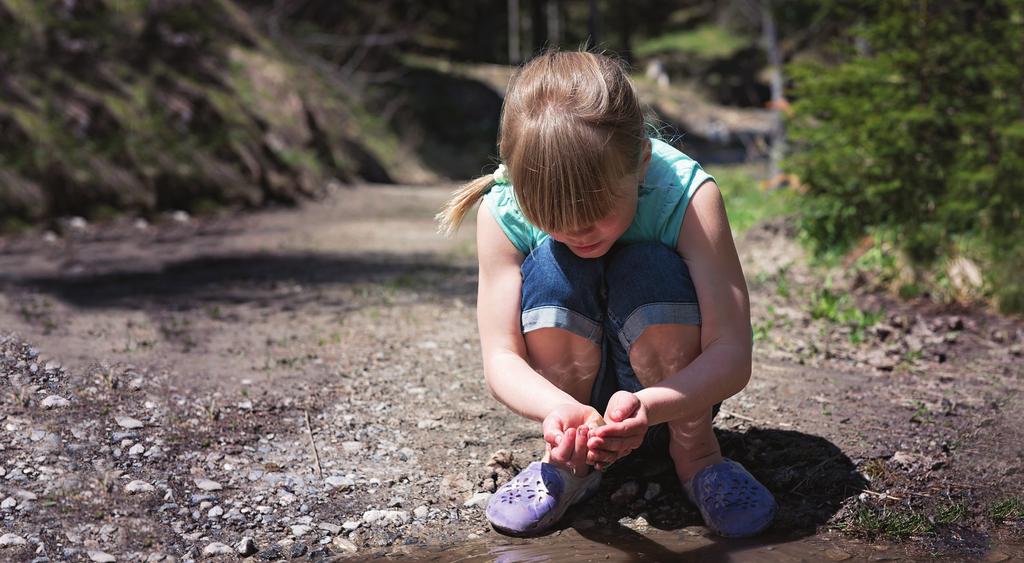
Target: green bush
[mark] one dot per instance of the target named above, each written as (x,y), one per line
(917,129)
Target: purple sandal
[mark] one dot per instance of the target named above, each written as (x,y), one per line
(732,502)
(533,501)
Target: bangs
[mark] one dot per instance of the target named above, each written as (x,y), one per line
(566,180)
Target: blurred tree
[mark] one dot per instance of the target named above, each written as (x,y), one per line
(918,131)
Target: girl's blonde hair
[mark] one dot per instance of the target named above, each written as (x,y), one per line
(571,129)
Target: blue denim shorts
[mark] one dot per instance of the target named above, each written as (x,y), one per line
(609,300)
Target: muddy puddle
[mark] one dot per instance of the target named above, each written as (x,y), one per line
(690,544)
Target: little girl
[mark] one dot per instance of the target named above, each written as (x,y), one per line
(596,245)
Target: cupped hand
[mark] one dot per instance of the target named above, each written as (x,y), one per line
(624,430)
(566,430)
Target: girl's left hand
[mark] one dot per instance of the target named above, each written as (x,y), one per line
(626,425)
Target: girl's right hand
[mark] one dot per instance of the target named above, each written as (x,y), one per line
(566,430)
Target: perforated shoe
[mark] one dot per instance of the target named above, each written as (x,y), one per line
(534,501)
(732,502)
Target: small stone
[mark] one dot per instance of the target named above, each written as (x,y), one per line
(339,482)
(138,486)
(652,492)
(626,493)
(246,547)
(421,512)
(330,528)
(101,557)
(272,553)
(477,500)
(371,516)
(350,525)
(351,447)
(54,402)
(297,550)
(11,540)
(300,530)
(217,548)
(215,512)
(136,450)
(344,545)
(8,502)
(128,422)
(208,485)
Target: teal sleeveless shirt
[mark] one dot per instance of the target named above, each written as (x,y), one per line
(671,180)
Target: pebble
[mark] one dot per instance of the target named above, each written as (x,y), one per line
(344,545)
(54,402)
(478,500)
(397,517)
(339,482)
(215,512)
(208,485)
(8,540)
(101,557)
(128,422)
(8,502)
(297,550)
(350,525)
(626,493)
(136,450)
(272,553)
(301,530)
(652,492)
(246,547)
(330,528)
(138,486)
(351,447)
(217,548)
(421,512)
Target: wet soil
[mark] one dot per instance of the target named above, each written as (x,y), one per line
(306,383)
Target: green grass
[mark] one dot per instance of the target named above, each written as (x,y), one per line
(889,524)
(746,202)
(707,41)
(838,309)
(1011,508)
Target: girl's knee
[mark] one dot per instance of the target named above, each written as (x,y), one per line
(567,360)
(663,350)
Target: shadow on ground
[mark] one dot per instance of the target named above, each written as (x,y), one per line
(810,477)
(282,280)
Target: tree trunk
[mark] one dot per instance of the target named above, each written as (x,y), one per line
(626,30)
(538,24)
(771,46)
(554,9)
(592,29)
(513,32)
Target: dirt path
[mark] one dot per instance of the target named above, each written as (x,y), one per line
(156,382)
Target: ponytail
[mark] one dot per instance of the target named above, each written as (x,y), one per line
(461,201)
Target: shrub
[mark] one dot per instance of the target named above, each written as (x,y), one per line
(917,129)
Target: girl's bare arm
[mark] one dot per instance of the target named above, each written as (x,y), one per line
(723,367)
(499,298)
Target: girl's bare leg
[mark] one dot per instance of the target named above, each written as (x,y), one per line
(567,360)
(663,350)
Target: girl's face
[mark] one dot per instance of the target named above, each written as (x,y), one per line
(596,239)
